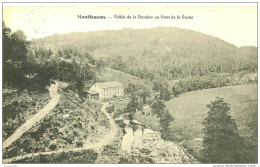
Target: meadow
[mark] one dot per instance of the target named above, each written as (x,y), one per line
(190,109)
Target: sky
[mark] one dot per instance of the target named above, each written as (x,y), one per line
(234,24)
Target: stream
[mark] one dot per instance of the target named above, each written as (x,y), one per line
(161,151)
(133,137)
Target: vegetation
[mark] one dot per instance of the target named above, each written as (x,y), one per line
(167,61)
(163,89)
(56,132)
(85,156)
(26,66)
(120,123)
(221,143)
(17,108)
(108,74)
(141,90)
(165,121)
(190,109)
(211,80)
(135,159)
(110,109)
(15,62)
(133,105)
(27,70)
(158,108)
(158,54)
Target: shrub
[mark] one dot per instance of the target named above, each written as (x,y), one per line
(120,123)
(79,144)
(110,109)
(53,147)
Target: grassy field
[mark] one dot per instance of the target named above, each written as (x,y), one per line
(121,105)
(109,74)
(189,110)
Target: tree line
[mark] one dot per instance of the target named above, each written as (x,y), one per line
(28,67)
(211,80)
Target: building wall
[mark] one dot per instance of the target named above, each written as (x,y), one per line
(114,91)
(108,92)
(98,90)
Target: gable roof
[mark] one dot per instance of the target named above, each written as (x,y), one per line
(109,84)
(92,92)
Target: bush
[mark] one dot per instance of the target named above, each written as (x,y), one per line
(86,156)
(110,109)
(79,144)
(120,123)
(145,151)
(53,147)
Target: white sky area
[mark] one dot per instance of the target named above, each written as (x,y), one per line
(235,24)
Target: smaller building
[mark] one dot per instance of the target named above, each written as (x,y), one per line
(91,94)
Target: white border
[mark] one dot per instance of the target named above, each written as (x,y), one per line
(118,3)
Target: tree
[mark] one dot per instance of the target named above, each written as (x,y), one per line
(221,142)
(34,104)
(132,106)
(16,105)
(14,57)
(80,86)
(158,108)
(165,94)
(162,87)
(143,91)
(130,88)
(165,121)
(110,109)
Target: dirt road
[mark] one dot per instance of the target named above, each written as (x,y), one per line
(96,146)
(110,136)
(36,118)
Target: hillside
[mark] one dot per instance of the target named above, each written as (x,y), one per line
(70,125)
(108,74)
(190,109)
(157,53)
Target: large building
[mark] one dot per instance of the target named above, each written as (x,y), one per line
(105,90)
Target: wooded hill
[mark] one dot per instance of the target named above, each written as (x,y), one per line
(159,53)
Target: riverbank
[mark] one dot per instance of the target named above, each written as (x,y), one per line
(142,141)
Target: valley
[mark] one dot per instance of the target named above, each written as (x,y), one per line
(160,95)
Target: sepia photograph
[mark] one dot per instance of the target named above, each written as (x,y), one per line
(129,83)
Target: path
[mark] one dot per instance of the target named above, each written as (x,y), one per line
(108,138)
(96,146)
(36,118)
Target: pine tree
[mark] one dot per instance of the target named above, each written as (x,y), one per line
(221,142)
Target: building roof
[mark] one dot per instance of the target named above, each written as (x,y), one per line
(92,92)
(109,84)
